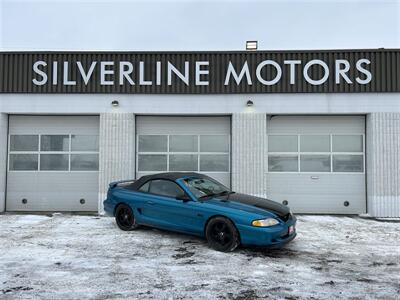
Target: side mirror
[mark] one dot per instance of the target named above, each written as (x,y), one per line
(184,197)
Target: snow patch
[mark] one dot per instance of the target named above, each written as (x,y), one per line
(75,257)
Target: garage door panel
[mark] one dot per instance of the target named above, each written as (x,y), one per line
(315,203)
(318,193)
(53,124)
(184,144)
(68,147)
(52,192)
(317,163)
(316,124)
(182,125)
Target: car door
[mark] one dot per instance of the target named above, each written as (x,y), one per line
(168,212)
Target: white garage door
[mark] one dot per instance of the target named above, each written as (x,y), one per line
(53,163)
(317,164)
(198,144)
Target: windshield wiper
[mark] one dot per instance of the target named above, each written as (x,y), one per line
(216,194)
(225,193)
(206,196)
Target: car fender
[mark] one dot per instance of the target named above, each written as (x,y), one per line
(119,203)
(220,215)
(236,216)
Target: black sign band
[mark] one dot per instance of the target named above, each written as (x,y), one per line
(201,72)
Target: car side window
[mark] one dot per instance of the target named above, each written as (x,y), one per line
(145,187)
(165,188)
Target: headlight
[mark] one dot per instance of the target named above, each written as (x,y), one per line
(265,222)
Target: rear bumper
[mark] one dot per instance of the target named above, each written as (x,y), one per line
(108,208)
(275,236)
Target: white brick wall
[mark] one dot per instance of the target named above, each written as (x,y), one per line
(117,150)
(383,164)
(249,134)
(3,158)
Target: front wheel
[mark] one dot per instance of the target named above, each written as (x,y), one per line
(222,235)
(125,218)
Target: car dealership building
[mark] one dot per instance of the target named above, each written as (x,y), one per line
(317,130)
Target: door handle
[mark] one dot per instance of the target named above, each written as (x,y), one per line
(150,202)
(314,177)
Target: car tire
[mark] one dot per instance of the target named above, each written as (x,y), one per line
(125,218)
(222,234)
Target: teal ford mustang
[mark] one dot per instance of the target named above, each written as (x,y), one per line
(197,204)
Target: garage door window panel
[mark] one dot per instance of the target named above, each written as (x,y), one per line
(282,143)
(84,162)
(152,163)
(183,162)
(316,153)
(24,142)
(50,152)
(85,143)
(348,163)
(54,162)
(315,143)
(23,152)
(197,153)
(347,143)
(54,143)
(214,163)
(282,163)
(348,153)
(153,143)
(183,143)
(214,143)
(315,163)
(23,162)
(84,154)
(312,153)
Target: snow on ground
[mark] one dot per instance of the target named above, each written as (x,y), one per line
(88,257)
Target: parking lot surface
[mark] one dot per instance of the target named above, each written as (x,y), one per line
(88,257)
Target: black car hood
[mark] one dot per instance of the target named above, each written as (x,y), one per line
(262,203)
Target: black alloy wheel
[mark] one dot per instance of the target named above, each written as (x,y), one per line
(125,218)
(222,235)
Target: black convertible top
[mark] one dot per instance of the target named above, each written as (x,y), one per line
(281,210)
(168,176)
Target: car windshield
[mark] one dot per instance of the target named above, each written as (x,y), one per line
(203,187)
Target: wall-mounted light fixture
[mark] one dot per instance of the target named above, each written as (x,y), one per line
(251,45)
(115,103)
(250,103)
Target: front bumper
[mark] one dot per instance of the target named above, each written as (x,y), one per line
(276,235)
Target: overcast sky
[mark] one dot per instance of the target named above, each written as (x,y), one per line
(198,25)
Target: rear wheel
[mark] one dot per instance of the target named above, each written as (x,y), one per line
(222,235)
(125,218)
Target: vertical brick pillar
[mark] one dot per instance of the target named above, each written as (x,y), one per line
(249,135)
(3,159)
(383,164)
(117,150)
